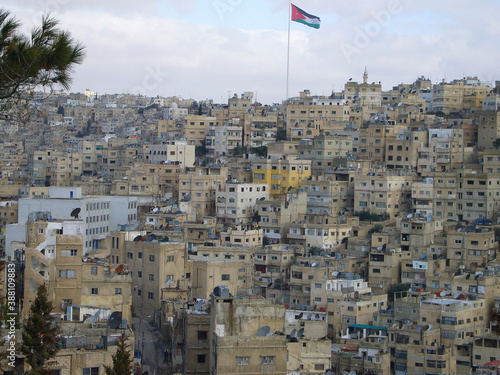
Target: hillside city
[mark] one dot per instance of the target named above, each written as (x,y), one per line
(352,233)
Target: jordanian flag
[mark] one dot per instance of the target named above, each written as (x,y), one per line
(298,15)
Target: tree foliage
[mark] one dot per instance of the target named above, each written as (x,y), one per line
(495,320)
(496,143)
(43,59)
(123,363)
(39,336)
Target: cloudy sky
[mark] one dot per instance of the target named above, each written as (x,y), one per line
(209,49)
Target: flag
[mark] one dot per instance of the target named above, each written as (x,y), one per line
(298,15)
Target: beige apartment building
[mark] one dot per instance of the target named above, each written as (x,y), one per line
(196,128)
(380,192)
(319,235)
(259,129)
(238,343)
(449,97)
(372,142)
(198,190)
(154,266)
(306,120)
(209,272)
(276,215)
(401,152)
(418,272)
(385,269)
(221,141)
(471,249)
(54,256)
(242,235)
(272,268)
(325,196)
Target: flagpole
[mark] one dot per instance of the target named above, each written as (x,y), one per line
(288,50)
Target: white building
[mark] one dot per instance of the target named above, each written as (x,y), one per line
(172,151)
(100,214)
(235,202)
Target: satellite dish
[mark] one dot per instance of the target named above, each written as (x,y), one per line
(443,293)
(409,216)
(114,320)
(156,209)
(92,319)
(456,295)
(120,268)
(468,276)
(263,331)
(300,333)
(75,213)
(292,334)
(169,282)
(199,304)
(379,248)
(138,238)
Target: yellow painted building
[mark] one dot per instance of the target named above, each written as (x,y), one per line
(281,175)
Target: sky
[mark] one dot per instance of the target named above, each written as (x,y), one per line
(212,49)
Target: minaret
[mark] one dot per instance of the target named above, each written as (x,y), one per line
(365,76)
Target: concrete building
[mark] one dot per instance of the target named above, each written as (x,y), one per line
(235,202)
(381,193)
(100,214)
(282,175)
(176,152)
(237,339)
(197,190)
(196,128)
(385,269)
(221,141)
(54,256)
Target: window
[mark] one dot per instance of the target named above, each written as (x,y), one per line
(243,361)
(151,258)
(151,295)
(94,291)
(151,277)
(69,253)
(93,270)
(226,277)
(170,258)
(90,371)
(202,335)
(67,274)
(268,360)
(118,291)
(202,358)
(139,255)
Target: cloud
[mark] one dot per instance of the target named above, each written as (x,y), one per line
(177,48)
